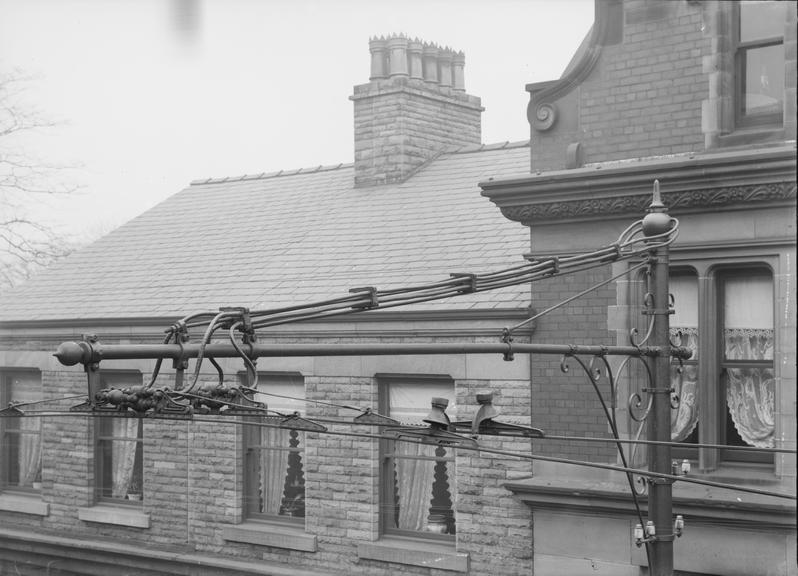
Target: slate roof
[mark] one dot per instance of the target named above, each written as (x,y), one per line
(287,238)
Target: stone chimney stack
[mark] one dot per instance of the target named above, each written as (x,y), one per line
(413,108)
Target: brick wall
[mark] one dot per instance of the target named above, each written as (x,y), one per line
(642,98)
(565,403)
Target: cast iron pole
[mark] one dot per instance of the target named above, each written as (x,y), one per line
(660,501)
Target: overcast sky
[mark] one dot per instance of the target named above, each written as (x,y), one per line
(151,94)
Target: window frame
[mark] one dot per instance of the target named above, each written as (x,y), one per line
(710,278)
(684,449)
(744,121)
(722,275)
(251,437)
(7,376)
(387,482)
(117,379)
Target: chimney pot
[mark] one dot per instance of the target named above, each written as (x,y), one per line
(414,51)
(430,52)
(378,59)
(397,53)
(445,64)
(402,122)
(458,75)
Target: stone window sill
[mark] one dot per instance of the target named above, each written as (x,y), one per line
(24,503)
(270,534)
(701,504)
(117,515)
(753,135)
(414,552)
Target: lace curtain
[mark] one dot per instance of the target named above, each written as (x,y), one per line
(414,480)
(684,419)
(123,455)
(414,477)
(273,468)
(285,394)
(30,451)
(747,336)
(751,392)
(26,388)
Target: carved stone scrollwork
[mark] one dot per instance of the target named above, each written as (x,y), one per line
(712,197)
(542,116)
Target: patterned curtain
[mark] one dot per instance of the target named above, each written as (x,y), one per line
(684,419)
(748,336)
(750,392)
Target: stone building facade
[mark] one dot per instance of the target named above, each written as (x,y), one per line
(654,92)
(102,495)
(701,97)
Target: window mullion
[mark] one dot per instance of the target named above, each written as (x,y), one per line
(708,371)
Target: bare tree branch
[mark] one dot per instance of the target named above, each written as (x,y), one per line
(25,244)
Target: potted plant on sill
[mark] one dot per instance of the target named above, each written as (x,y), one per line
(134,490)
(37,482)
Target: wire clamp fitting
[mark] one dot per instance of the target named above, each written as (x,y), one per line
(373,302)
(507,338)
(470,286)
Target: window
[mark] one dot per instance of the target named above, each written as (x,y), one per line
(746,361)
(274,482)
(418,480)
(730,328)
(759,62)
(119,460)
(21,449)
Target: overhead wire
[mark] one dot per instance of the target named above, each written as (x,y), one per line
(369,298)
(475,448)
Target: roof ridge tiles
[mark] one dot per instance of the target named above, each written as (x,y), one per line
(454,149)
(276,174)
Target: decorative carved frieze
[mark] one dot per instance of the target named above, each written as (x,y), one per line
(635,204)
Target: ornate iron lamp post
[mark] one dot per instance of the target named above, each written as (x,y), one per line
(658,222)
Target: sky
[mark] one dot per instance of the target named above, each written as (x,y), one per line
(148,95)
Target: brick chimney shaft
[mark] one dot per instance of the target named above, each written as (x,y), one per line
(413,108)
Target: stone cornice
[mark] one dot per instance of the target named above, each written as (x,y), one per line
(730,180)
(415,88)
(764,513)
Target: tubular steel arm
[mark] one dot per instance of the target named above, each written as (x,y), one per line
(91,351)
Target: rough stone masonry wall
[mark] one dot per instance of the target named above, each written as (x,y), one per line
(193,486)
(400,123)
(491,524)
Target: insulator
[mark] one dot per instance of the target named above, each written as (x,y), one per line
(437,416)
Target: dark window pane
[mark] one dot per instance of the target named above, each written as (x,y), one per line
(418,479)
(762,80)
(120,459)
(21,437)
(274,457)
